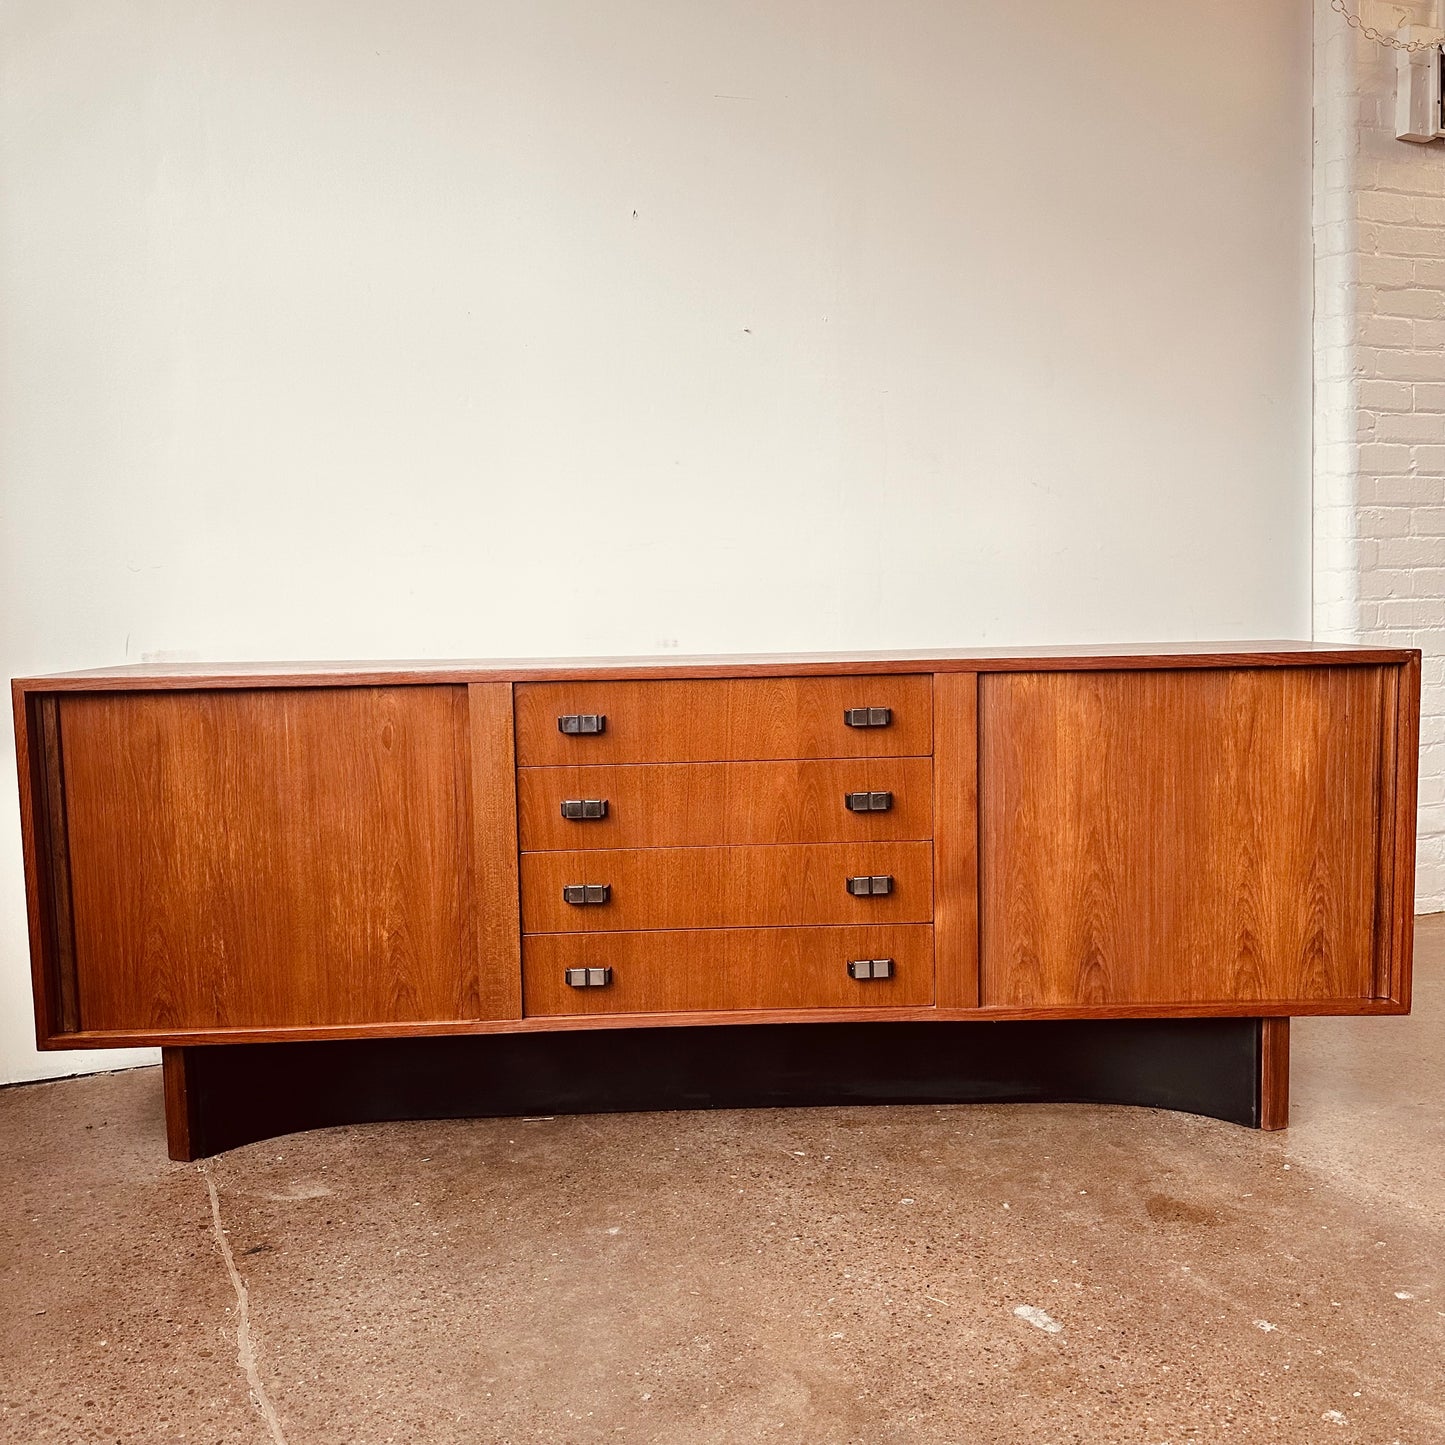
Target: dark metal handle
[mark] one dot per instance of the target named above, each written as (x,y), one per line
(865,968)
(868,802)
(584,809)
(871,885)
(580,724)
(587,977)
(868,717)
(583,895)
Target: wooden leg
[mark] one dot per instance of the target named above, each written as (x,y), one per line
(182,1130)
(1274,1073)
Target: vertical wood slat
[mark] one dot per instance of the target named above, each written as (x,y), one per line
(468,982)
(1407,756)
(497,906)
(955,839)
(33,852)
(1274,1073)
(57,846)
(45,848)
(1385,828)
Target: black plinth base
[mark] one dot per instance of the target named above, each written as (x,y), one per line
(223,1096)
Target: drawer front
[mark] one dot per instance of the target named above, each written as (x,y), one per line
(726,887)
(728,968)
(723,719)
(691,805)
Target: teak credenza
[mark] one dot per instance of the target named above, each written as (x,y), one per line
(283,854)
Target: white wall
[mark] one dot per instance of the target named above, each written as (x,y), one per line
(1380,388)
(402,327)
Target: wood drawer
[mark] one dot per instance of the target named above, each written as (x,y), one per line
(728,968)
(723,719)
(727,887)
(688,805)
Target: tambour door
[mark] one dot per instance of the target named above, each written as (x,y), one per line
(1195,836)
(269,858)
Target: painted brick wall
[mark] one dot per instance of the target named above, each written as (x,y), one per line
(1379,509)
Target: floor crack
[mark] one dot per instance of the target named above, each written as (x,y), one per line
(245,1345)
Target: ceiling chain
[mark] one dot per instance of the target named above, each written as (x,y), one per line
(1381,37)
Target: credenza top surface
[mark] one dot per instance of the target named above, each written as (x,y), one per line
(422,671)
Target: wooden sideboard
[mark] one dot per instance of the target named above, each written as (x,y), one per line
(265,854)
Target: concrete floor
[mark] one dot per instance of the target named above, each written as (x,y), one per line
(819,1277)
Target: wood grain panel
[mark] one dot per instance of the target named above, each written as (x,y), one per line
(729,968)
(1170,837)
(686,805)
(723,719)
(495,915)
(955,843)
(727,887)
(269,858)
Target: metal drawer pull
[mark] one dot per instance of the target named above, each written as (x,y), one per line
(584,809)
(587,977)
(576,724)
(868,717)
(867,802)
(871,885)
(864,968)
(580,895)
